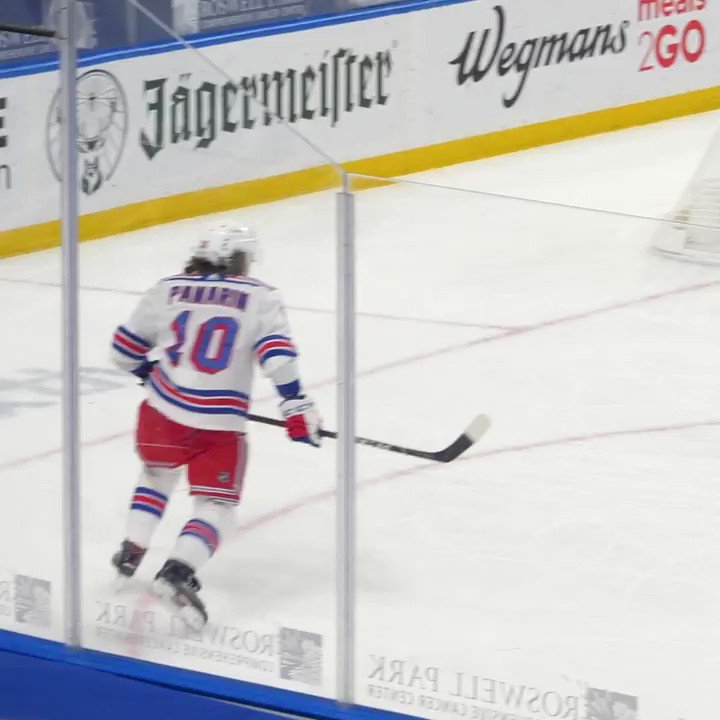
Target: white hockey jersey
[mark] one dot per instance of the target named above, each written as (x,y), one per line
(206,334)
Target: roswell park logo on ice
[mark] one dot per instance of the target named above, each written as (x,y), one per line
(290,654)
(419,690)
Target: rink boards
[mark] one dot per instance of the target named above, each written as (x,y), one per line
(386,91)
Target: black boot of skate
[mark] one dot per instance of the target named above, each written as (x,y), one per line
(127,559)
(177,583)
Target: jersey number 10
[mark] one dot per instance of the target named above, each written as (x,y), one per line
(218,333)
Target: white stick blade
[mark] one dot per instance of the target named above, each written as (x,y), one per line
(478,427)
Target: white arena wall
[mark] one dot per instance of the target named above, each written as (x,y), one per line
(428,85)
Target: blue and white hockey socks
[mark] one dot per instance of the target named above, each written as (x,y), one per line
(148,504)
(202,534)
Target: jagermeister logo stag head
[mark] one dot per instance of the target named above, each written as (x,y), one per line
(102,129)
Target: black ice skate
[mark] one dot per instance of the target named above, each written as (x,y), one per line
(176,582)
(126,560)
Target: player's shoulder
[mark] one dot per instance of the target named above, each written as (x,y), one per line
(242,280)
(262,284)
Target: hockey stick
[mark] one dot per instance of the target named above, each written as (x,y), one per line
(472,433)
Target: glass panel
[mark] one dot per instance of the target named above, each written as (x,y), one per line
(112,24)
(190,143)
(558,568)
(31,533)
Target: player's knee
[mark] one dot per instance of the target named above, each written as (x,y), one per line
(219,513)
(213,506)
(161,473)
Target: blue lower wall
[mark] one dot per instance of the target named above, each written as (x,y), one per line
(36,689)
(44,680)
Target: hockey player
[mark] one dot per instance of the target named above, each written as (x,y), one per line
(194,339)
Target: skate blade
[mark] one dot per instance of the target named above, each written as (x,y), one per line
(121,583)
(187,613)
(191,617)
(163,590)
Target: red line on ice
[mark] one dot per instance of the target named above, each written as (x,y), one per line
(321,311)
(302,503)
(432,354)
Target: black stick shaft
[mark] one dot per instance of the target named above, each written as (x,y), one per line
(359,440)
(25,30)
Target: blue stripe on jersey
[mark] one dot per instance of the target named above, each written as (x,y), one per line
(132,336)
(278,352)
(202,393)
(269,338)
(195,408)
(213,279)
(128,353)
(289,390)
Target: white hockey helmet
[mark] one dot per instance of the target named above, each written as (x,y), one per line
(219,243)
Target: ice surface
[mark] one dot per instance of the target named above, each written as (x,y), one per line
(576,547)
